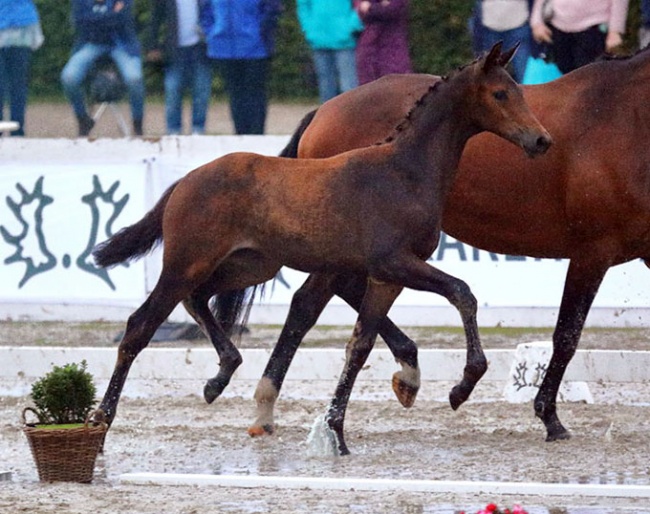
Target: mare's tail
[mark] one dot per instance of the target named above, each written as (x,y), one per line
(291,150)
(231,309)
(133,242)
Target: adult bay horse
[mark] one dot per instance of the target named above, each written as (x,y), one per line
(375,211)
(587,200)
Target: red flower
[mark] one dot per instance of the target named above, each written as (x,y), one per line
(490,507)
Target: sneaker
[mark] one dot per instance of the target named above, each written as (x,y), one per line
(86,124)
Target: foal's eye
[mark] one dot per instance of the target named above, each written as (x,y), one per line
(500,95)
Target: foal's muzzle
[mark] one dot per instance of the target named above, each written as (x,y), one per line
(536,144)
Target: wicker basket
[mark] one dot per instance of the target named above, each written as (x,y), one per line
(66,454)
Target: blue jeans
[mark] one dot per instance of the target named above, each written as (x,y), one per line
(190,67)
(336,71)
(488,38)
(80,63)
(14,79)
(246,84)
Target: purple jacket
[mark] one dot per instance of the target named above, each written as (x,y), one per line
(383,45)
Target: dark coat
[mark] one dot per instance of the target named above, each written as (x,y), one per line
(98,22)
(383,46)
(163,29)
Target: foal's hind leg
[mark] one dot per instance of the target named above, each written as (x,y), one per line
(306,305)
(140,328)
(230,358)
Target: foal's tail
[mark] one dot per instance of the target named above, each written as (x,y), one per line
(291,150)
(133,242)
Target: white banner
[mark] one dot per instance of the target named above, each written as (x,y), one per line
(59,198)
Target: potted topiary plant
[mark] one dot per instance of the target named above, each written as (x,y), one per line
(64,441)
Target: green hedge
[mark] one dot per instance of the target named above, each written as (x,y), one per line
(438,30)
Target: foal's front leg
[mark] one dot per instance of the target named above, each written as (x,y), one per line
(406,382)
(377,301)
(417,274)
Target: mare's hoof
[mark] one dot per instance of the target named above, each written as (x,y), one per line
(405,392)
(260,430)
(458,395)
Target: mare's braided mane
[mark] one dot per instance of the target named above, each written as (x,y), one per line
(614,57)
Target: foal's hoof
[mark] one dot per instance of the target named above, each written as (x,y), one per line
(405,392)
(260,430)
(459,394)
(557,434)
(212,390)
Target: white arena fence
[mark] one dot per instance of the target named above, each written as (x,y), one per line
(60,197)
(314,372)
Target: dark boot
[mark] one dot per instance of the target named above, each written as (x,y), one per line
(137,127)
(86,124)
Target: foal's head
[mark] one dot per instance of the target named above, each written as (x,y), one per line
(498,104)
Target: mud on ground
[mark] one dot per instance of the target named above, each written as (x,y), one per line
(485,440)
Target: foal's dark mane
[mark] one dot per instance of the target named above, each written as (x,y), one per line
(418,103)
(407,119)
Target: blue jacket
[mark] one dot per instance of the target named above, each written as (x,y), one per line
(329,24)
(239,29)
(17,13)
(96,21)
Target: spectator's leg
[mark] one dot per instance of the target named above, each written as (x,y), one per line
(257,76)
(201,70)
(18,81)
(72,78)
(562,50)
(4,74)
(346,66)
(229,71)
(589,46)
(130,67)
(174,95)
(325,66)
(246,83)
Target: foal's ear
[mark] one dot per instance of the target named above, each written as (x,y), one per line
(493,58)
(507,56)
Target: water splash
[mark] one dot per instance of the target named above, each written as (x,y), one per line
(322,440)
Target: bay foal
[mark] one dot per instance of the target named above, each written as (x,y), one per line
(235,221)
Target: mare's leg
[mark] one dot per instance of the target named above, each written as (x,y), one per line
(416,274)
(377,301)
(582,283)
(140,328)
(406,382)
(229,357)
(306,305)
